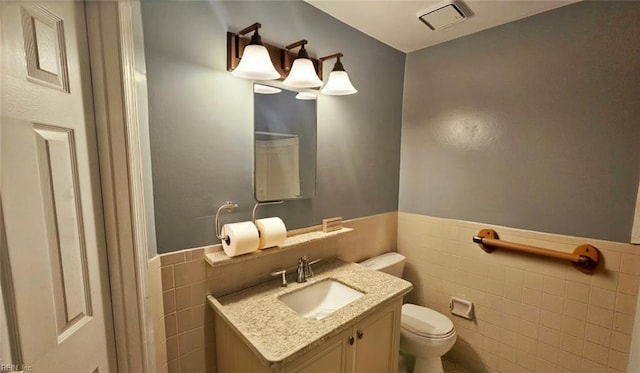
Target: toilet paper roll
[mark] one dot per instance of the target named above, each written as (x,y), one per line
(242,238)
(272,232)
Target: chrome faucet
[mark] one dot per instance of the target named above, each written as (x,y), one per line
(307,267)
(303,268)
(304,271)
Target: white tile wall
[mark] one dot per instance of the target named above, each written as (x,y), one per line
(184,279)
(532,314)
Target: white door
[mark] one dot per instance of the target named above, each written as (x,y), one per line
(283,177)
(50,187)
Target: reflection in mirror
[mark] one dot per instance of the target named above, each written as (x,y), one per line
(284,144)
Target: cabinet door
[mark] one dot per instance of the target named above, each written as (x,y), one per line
(334,356)
(232,353)
(377,342)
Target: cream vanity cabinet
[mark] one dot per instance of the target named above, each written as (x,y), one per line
(369,346)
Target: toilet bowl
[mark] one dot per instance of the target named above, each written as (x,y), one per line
(424,333)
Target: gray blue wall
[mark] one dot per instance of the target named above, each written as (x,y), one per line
(201,118)
(534,124)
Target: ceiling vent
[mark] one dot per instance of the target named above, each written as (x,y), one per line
(443,15)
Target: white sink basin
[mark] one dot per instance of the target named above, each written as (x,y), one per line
(321,299)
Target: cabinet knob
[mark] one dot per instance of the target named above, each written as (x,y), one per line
(360,334)
(351,340)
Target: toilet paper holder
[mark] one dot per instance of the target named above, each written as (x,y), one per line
(461,307)
(228,207)
(255,207)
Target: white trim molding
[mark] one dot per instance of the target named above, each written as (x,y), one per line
(10,346)
(110,29)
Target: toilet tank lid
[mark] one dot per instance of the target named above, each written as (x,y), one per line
(425,321)
(383,261)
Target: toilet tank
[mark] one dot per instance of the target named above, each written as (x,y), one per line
(391,263)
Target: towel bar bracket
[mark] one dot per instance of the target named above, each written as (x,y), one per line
(589,258)
(486,233)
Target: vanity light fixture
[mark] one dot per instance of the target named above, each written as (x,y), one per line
(265,89)
(339,83)
(303,73)
(275,63)
(306,96)
(255,63)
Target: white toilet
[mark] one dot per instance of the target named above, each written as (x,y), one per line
(424,333)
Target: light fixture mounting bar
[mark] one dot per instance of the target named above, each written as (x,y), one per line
(335,55)
(329,57)
(248,29)
(296,44)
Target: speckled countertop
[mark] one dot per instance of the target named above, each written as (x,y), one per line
(277,334)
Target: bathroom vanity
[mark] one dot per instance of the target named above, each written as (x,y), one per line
(257,332)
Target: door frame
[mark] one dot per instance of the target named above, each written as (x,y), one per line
(111,50)
(110,37)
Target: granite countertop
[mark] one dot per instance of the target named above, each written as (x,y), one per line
(277,334)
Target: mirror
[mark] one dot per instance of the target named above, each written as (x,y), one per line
(284,143)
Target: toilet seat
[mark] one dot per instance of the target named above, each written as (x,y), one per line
(425,322)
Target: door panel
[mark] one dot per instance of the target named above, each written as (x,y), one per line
(51,192)
(55,148)
(277,171)
(44,44)
(334,356)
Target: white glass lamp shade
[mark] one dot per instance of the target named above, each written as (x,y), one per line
(305,96)
(256,64)
(302,75)
(338,84)
(265,89)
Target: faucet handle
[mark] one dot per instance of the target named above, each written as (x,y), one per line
(282,272)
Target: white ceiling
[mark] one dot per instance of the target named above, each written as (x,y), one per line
(394,22)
